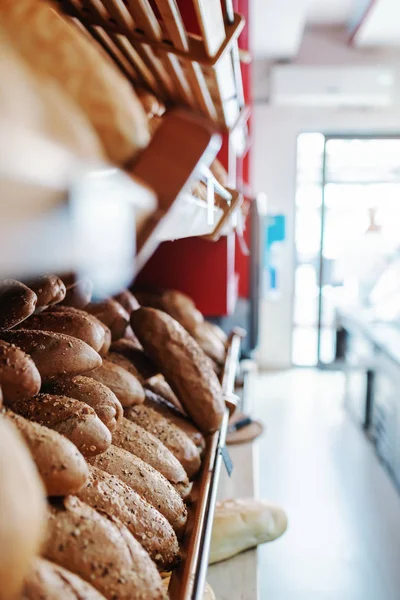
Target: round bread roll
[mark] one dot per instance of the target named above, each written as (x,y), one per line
(23,511)
(19,377)
(17,303)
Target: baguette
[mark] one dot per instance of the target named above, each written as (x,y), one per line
(74,419)
(184,365)
(109,494)
(23,511)
(145,445)
(60,464)
(179,306)
(171,436)
(105,403)
(111,313)
(78,294)
(98,548)
(59,308)
(146,481)
(127,300)
(49,290)
(17,303)
(48,581)
(136,356)
(124,385)
(78,325)
(19,377)
(54,354)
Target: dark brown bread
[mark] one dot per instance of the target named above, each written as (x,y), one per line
(109,494)
(49,290)
(210,343)
(60,464)
(171,436)
(98,548)
(78,294)
(105,403)
(74,419)
(111,313)
(48,581)
(135,439)
(55,354)
(17,303)
(129,335)
(121,361)
(78,325)
(77,311)
(19,377)
(127,300)
(184,365)
(124,385)
(179,306)
(146,481)
(158,385)
(136,356)
(167,410)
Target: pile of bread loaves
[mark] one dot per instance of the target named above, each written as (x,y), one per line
(114,400)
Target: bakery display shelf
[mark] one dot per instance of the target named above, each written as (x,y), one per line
(187,582)
(150,43)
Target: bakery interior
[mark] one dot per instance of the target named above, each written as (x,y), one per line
(199,299)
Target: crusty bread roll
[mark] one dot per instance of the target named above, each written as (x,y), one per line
(146,481)
(209,342)
(17,303)
(127,300)
(109,494)
(48,581)
(78,294)
(143,365)
(129,335)
(60,464)
(244,523)
(124,385)
(172,414)
(111,313)
(74,419)
(158,385)
(60,308)
(19,377)
(55,354)
(171,436)
(184,365)
(121,361)
(49,290)
(98,548)
(23,510)
(178,305)
(78,325)
(145,445)
(57,49)
(105,403)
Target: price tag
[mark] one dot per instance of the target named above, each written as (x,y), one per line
(227,460)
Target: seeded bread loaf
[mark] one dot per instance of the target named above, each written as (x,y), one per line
(127,300)
(124,385)
(104,402)
(48,581)
(60,308)
(210,343)
(72,418)
(121,361)
(98,548)
(111,313)
(109,494)
(17,303)
(49,290)
(19,377)
(54,354)
(144,366)
(179,306)
(60,464)
(184,365)
(146,481)
(145,445)
(158,385)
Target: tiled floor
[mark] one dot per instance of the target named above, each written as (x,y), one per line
(343,540)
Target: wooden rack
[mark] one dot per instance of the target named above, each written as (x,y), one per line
(187,582)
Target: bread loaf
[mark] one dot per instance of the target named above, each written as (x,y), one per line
(60,464)
(111,313)
(210,343)
(98,548)
(184,365)
(104,402)
(49,290)
(57,49)
(23,510)
(78,325)
(159,386)
(179,306)
(244,523)
(145,445)
(146,481)
(54,354)
(121,361)
(109,494)
(173,438)
(144,366)
(170,412)
(78,294)
(129,335)
(17,303)
(124,385)
(48,581)
(127,300)
(74,419)
(19,377)
(59,308)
